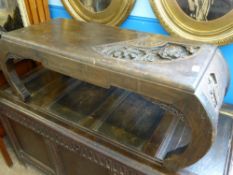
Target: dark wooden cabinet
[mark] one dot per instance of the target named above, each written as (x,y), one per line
(56,139)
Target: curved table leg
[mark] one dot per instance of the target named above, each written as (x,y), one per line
(8,68)
(203,132)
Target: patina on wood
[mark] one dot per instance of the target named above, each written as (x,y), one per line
(191,82)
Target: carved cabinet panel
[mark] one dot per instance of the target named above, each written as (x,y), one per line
(32,148)
(74,164)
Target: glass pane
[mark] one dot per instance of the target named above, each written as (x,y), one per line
(132,122)
(205,10)
(96,5)
(80,102)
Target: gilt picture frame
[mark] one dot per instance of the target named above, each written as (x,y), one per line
(109,12)
(207,21)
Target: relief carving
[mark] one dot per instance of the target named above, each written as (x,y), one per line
(140,50)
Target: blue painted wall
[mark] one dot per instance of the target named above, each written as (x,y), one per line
(143,19)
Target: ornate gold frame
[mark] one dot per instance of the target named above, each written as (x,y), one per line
(113,15)
(172,17)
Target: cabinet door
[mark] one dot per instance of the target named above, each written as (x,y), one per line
(32,147)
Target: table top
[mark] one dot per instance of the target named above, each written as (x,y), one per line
(141,56)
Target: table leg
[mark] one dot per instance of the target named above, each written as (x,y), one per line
(5,153)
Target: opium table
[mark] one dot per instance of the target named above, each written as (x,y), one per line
(111,101)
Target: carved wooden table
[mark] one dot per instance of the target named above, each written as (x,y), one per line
(150,103)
